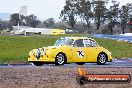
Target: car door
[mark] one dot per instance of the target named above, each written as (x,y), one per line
(78,51)
(91,49)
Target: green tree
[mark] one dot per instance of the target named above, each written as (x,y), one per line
(14,19)
(84,10)
(69,12)
(113,15)
(49,23)
(125,14)
(60,25)
(99,9)
(32,21)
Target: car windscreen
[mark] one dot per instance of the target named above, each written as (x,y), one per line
(63,42)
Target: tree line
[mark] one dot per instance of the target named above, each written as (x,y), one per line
(97,12)
(80,14)
(30,21)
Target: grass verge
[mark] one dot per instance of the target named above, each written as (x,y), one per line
(16,48)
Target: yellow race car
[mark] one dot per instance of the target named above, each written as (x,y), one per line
(78,50)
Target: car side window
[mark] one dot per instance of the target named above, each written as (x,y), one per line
(87,43)
(79,43)
(69,42)
(94,44)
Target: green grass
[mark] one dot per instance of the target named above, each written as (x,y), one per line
(119,49)
(16,48)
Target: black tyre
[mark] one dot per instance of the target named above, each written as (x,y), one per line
(80,63)
(101,59)
(38,63)
(60,59)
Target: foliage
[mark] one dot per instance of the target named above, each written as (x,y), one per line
(69,12)
(80,14)
(60,25)
(125,14)
(84,10)
(4,24)
(113,15)
(14,19)
(99,12)
(32,21)
(49,23)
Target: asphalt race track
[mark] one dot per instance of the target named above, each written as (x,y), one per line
(127,63)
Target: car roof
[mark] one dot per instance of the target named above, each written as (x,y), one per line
(76,38)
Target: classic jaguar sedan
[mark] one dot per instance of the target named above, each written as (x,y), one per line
(66,50)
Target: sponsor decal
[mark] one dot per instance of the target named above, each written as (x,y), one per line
(83,78)
(80,54)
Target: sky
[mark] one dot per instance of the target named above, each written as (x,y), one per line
(43,9)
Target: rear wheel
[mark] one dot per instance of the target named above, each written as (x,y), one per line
(60,59)
(101,59)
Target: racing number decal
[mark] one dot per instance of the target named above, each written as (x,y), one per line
(80,54)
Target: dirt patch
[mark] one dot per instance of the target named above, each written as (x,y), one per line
(54,77)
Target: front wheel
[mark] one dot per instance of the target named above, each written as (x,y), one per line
(101,59)
(60,59)
(38,63)
(80,63)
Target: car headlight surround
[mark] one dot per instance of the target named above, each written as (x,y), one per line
(37,54)
(32,52)
(42,51)
(111,53)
